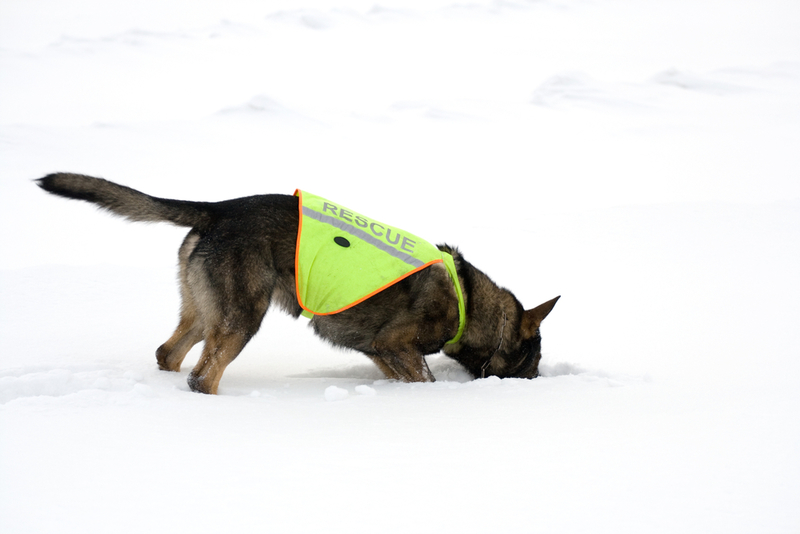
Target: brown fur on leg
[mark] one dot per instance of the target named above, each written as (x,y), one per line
(409,366)
(189,332)
(384,367)
(230,289)
(395,348)
(170,355)
(220,349)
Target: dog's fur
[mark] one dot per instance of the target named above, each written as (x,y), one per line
(238,259)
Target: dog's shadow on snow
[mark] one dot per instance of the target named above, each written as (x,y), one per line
(357,371)
(443,368)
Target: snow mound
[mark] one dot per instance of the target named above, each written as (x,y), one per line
(55,383)
(334,393)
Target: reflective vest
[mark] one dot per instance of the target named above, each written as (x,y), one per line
(344,257)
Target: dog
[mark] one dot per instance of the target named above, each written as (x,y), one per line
(238,259)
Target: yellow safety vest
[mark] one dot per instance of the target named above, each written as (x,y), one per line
(344,257)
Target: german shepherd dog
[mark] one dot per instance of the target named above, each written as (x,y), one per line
(239,258)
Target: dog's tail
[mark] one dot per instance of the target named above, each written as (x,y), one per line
(127,202)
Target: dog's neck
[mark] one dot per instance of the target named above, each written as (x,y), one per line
(499,344)
(450,265)
(487,332)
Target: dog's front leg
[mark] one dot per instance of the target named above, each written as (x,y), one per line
(397,350)
(405,365)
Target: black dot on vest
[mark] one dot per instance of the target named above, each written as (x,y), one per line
(342,242)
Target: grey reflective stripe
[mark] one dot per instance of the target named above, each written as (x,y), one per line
(364,236)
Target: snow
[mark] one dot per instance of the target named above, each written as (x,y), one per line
(638,158)
(333,393)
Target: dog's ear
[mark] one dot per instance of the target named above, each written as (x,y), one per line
(531,319)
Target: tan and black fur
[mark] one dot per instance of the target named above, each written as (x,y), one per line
(238,259)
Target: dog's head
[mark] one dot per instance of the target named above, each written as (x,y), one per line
(501,337)
(518,347)
(530,351)
(524,362)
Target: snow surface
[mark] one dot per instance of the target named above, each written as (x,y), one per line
(639,158)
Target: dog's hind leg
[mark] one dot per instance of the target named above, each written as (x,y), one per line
(220,349)
(170,355)
(189,332)
(232,293)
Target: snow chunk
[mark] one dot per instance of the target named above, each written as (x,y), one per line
(333,393)
(366,390)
